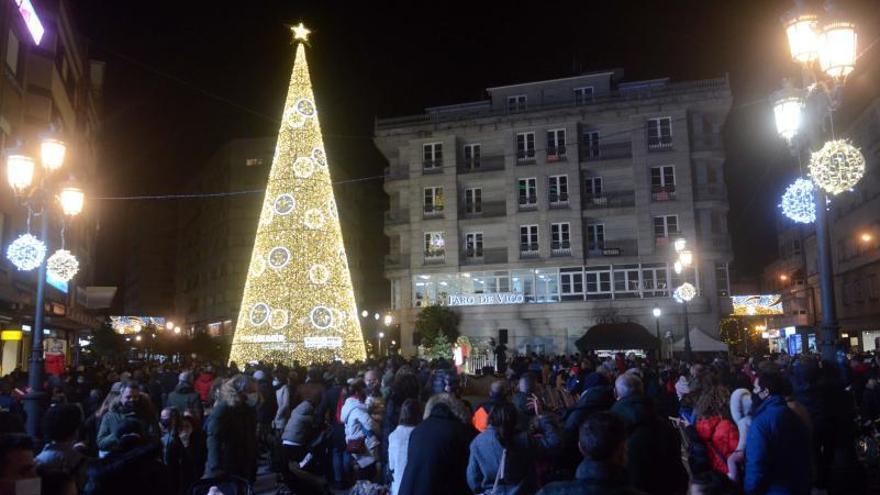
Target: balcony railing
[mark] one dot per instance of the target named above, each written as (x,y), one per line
(525,157)
(610,248)
(396,173)
(432,166)
(435,257)
(529,250)
(555,154)
(660,144)
(558,200)
(433,211)
(609,151)
(528,204)
(560,248)
(610,199)
(481,164)
(665,241)
(484,209)
(663,193)
(396,216)
(489,256)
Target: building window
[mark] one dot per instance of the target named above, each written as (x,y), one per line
(626,281)
(253,162)
(595,237)
(395,294)
(12,52)
(583,95)
(571,284)
(722,279)
(433,201)
(473,245)
(516,103)
(560,239)
(873,289)
(525,146)
(528,240)
(472,156)
(663,183)
(546,285)
(598,283)
(591,144)
(796,247)
(528,193)
(665,226)
(593,187)
(555,145)
(654,281)
(660,133)
(433,156)
(435,246)
(558,190)
(473,200)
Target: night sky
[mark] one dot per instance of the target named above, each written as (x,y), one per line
(185,77)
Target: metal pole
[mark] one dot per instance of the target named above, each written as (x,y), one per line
(687,333)
(829,326)
(34,398)
(659,342)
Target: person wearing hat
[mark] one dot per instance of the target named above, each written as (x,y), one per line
(184,397)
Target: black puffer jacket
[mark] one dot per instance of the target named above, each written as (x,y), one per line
(135,472)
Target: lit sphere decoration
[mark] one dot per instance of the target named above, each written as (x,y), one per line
(837,167)
(62,265)
(284,204)
(314,219)
(319,156)
(279,319)
(319,274)
(321,317)
(798,201)
(304,167)
(259,314)
(685,292)
(26,253)
(278,257)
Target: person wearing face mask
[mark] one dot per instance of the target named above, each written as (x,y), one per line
(777,455)
(232,430)
(131,405)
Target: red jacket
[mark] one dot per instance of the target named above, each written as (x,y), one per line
(203,385)
(721,436)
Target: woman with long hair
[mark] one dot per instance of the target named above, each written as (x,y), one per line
(714,427)
(398,441)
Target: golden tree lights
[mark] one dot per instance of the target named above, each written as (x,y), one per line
(298,302)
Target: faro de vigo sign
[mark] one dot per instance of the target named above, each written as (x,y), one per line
(484,299)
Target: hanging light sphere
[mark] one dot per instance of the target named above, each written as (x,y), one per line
(62,265)
(685,292)
(838,166)
(26,253)
(798,202)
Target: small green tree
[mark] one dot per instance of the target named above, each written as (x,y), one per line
(435,320)
(438,346)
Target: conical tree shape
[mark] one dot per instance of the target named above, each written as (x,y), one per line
(298,302)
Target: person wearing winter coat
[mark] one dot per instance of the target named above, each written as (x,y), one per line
(438,450)
(741,413)
(398,441)
(131,405)
(60,455)
(653,448)
(133,468)
(518,450)
(184,397)
(715,430)
(300,429)
(777,456)
(203,385)
(232,430)
(602,441)
(361,437)
(283,388)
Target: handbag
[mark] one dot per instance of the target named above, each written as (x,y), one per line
(498,475)
(356,445)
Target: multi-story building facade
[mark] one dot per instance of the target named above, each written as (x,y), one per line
(48,83)
(855,246)
(553,205)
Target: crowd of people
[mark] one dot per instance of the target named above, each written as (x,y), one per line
(561,425)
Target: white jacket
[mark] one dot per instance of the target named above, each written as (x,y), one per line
(359,424)
(398,444)
(740,411)
(282,395)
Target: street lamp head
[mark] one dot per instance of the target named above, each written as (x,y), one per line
(788,110)
(686,257)
(169,325)
(388,320)
(783,277)
(677,266)
(838,46)
(365,313)
(376,316)
(679,244)
(52,153)
(72,200)
(19,172)
(801,28)
(177,330)
(866,237)
(381,335)
(657,312)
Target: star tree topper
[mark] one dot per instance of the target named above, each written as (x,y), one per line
(300,32)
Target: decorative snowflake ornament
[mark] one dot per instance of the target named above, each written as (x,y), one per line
(26,253)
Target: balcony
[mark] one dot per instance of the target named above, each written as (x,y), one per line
(435,257)
(610,151)
(484,209)
(665,241)
(610,199)
(396,216)
(663,143)
(525,157)
(396,261)
(555,154)
(612,248)
(488,256)
(529,250)
(481,164)
(396,173)
(562,248)
(663,193)
(433,211)
(432,167)
(528,204)
(558,201)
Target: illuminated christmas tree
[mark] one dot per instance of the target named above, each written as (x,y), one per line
(298,302)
